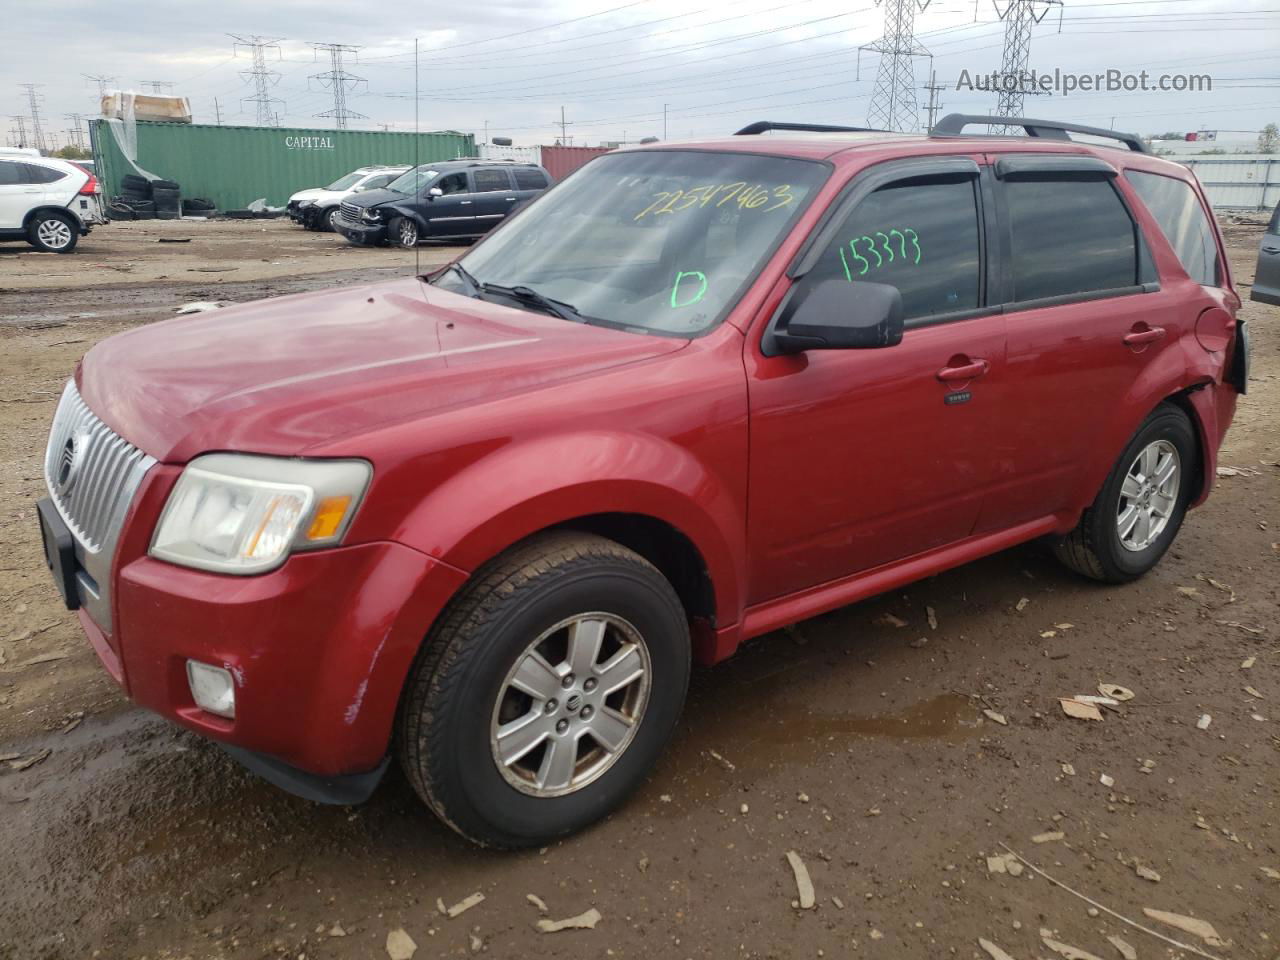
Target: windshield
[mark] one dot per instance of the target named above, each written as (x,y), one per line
(345,183)
(412,181)
(661,240)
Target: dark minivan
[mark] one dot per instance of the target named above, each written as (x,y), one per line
(450,200)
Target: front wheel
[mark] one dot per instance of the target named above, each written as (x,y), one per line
(53,232)
(404,232)
(1140,508)
(546,692)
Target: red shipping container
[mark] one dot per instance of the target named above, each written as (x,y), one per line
(562,161)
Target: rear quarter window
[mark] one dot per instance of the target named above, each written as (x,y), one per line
(38,174)
(490,180)
(1175,206)
(529,179)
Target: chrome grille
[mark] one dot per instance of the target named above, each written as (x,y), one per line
(92,474)
(350,211)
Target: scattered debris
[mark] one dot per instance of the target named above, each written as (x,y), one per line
(642,864)
(1126,951)
(1271,872)
(1189,591)
(30,761)
(1004,863)
(889,620)
(1256,631)
(1253,692)
(744,809)
(804,886)
(1099,701)
(919,644)
(996,717)
(477,943)
(1064,626)
(1203,722)
(462,906)
(200,306)
(1022,604)
(1069,770)
(932,616)
(722,761)
(994,952)
(839,904)
(400,945)
(1218,585)
(1048,837)
(1248,662)
(1079,709)
(1115,692)
(537,901)
(337,931)
(43,658)
(1065,949)
(1107,780)
(1197,928)
(1146,873)
(802,797)
(583,921)
(1048,634)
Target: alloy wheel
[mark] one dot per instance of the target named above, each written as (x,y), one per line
(408,233)
(1148,495)
(54,233)
(571,704)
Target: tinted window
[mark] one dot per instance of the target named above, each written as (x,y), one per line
(1069,236)
(1182,220)
(453,183)
(11,173)
(488,180)
(375,183)
(36,174)
(527,179)
(920,237)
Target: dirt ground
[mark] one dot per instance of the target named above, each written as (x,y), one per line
(895,760)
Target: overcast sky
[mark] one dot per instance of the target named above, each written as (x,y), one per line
(613,64)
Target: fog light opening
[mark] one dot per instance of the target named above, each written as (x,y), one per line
(212,688)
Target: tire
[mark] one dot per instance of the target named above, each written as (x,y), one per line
(322,220)
(165,185)
(119,211)
(200,204)
(132,183)
(53,232)
(404,232)
(1097,548)
(460,690)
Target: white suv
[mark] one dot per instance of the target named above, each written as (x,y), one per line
(315,208)
(50,203)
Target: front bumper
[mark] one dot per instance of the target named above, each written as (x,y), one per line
(319,650)
(365,234)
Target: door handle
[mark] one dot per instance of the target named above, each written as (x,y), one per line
(1271,249)
(511,199)
(965,371)
(464,202)
(1138,338)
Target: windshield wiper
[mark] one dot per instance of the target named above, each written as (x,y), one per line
(474,284)
(565,311)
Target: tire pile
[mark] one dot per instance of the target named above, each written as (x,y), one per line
(143,199)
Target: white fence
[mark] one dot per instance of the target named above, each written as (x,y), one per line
(491,151)
(1240,181)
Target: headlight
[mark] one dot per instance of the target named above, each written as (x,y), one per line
(236,513)
(371,214)
(305,203)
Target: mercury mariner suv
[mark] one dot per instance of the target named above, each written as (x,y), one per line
(484,520)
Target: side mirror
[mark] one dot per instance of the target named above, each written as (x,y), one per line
(838,315)
(435,192)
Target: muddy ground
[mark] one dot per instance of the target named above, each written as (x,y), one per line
(864,746)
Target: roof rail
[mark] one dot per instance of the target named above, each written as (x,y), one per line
(953,124)
(764,126)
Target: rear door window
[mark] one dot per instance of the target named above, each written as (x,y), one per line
(490,180)
(1070,236)
(1183,222)
(527,179)
(918,236)
(12,174)
(39,174)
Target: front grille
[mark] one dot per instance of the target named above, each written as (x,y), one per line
(92,474)
(350,211)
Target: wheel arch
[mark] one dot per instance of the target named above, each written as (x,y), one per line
(52,208)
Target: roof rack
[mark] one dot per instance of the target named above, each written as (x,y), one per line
(953,124)
(764,126)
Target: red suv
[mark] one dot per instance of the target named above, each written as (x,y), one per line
(484,520)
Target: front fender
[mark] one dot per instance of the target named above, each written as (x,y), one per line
(532,485)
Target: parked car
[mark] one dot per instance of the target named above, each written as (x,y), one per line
(1266,280)
(484,520)
(47,202)
(315,208)
(450,200)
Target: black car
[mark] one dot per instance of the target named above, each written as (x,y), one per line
(450,200)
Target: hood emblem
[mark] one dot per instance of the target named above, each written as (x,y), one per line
(69,461)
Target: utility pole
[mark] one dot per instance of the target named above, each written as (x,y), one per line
(894,105)
(217,112)
(1019,17)
(76,132)
(486,131)
(664,121)
(564,125)
(103,81)
(261,78)
(33,98)
(339,81)
(935,99)
(158,87)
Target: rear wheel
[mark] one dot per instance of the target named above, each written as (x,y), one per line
(546,692)
(53,232)
(1139,510)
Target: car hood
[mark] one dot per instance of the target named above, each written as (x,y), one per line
(310,194)
(283,375)
(371,198)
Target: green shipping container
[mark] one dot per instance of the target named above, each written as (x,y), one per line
(233,166)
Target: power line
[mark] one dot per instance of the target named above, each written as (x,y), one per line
(1019,17)
(339,82)
(935,98)
(893,100)
(158,87)
(103,81)
(261,78)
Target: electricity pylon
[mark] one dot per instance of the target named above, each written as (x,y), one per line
(1019,17)
(894,105)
